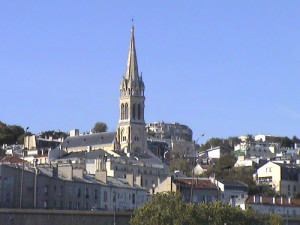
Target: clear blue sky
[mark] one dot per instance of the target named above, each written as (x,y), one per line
(224,68)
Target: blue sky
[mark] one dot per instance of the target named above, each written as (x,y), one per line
(224,68)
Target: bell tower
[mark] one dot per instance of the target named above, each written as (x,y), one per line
(131,135)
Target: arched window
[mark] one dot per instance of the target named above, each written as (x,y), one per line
(139,111)
(122,112)
(133,111)
(126,111)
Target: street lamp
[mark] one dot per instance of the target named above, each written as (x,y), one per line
(194,163)
(23,164)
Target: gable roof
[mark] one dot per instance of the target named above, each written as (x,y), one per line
(89,140)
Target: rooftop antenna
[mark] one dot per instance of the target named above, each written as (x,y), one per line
(132,21)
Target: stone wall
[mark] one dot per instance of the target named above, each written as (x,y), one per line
(61,217)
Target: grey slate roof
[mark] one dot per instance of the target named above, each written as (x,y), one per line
(233,183)
(95,154)
(75,155)
(89,140)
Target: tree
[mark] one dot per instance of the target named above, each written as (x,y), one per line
(9,134)
(286,142)
(100,127)
(164,208)
(169,208)
(180,164)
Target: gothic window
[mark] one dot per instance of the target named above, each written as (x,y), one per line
(133,111)
(122,112)
(139,111)
(126,111)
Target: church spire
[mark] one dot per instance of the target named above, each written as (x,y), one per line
(131,73)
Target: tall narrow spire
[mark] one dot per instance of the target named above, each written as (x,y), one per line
(132,66)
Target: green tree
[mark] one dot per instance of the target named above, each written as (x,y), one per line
(9,134)
(180,164)
(169,208)
(164,208)
(100,127)
(286,142)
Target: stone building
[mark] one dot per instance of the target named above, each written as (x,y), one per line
(283,178)
(162,130)
(201,189)
(64,187)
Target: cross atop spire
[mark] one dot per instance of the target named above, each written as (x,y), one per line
(132,66)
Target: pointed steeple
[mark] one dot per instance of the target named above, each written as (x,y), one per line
(131,73)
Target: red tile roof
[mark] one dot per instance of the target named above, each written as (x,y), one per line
(197,183)
(10,159)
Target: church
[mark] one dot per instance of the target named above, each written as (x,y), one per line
(130,136)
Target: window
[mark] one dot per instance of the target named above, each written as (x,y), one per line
(54,188)
(126,111)
(70,205)
(87,193)
(122,112)
(133,198)
(133,111)
(46,189)
(114,196)
(289,187)
(105,196)
(78,192)
(96,194)
(45,204)
(61,191)
(139,111)
(295,188)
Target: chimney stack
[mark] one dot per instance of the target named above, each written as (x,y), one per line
(101,176)
(138,180)
(130,179)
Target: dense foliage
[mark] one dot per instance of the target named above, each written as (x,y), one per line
(169,208)
(100,127)
(11,134)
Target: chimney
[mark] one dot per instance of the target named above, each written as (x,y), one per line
(78,173)
(55,171)
(74,133)
(138,180)
(66,171)
(101,176)
(130,179)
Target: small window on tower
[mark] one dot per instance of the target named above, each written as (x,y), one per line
(122,112)
(126,111)
(133,111)
(139,111)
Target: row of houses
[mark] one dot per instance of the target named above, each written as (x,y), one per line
(63,187)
